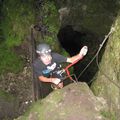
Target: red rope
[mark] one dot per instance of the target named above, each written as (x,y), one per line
(66,69)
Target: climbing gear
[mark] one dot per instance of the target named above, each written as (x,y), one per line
(96,56)
(62,78)
(43,49)
(101,45)
(66,70)
(83,52)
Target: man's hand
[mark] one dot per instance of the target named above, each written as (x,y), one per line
(83,51)
(55,80)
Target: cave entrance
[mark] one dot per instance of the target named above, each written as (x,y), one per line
(72,41)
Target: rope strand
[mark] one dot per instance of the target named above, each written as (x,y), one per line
(96,56)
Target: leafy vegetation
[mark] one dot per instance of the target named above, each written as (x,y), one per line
(9,60)
(17,19)
(50,20)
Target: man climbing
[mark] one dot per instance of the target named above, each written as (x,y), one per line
(48,62)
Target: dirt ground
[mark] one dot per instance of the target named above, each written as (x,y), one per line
(20,85)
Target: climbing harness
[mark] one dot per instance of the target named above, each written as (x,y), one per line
(66,70)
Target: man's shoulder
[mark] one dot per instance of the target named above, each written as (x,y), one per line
(55,54)
(58,57)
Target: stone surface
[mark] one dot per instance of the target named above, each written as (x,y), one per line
(73,102)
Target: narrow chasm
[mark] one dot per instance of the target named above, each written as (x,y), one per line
(72,41)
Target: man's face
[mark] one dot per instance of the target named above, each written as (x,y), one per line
(46,58)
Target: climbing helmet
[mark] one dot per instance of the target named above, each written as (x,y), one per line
(43,49)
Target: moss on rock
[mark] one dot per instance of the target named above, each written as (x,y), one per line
(108,77)
(74,101)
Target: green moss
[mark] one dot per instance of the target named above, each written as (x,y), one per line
(18,17)
(9,61)
(5,96)
(109,115)
(45,105)
(51,20)
(48,39)
(51,16)
(96,88)
(17,20)
(108,77)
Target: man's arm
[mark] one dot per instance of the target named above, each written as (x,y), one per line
(52,80)
(81,54)
(44,79)
(74,58)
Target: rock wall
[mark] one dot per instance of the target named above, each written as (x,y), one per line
(97,17)
(73,102)
(107,83)
(94,19)
(93,15)
(8,106)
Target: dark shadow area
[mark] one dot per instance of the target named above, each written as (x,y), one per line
(72,41)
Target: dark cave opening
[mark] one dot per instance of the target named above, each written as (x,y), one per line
(72,41)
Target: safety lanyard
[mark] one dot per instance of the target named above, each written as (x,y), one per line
(67,68)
